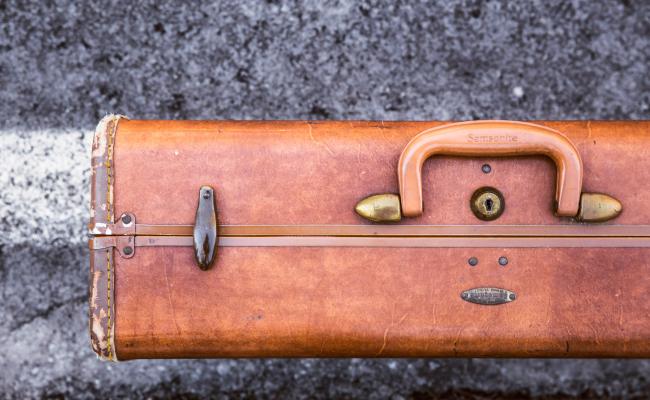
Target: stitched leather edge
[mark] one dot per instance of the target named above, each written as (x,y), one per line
(102,272)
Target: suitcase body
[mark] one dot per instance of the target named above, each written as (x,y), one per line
(299,273)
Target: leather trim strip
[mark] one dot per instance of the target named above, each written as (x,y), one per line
(581,230)
(334,241)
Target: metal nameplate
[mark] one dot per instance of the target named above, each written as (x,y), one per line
(488,296)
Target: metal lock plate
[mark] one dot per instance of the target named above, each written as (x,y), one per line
(487,203)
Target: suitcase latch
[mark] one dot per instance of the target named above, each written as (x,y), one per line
(205,229)
(125,235)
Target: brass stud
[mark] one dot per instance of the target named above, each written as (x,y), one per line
(598,207)
(380,208)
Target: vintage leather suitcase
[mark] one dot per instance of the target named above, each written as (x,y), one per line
(336,239)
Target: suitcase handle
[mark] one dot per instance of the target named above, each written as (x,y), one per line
(491,138)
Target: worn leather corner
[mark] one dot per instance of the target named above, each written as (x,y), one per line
(102,171)
(102,304)
(102,274)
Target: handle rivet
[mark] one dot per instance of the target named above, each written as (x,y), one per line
(503,261)
(473,261)
(512,296)
(128,250)
(126,219)
(486,168)
(206,195)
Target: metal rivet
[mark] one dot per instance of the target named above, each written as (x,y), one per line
(512,296)
(473,261)
(503,261)
(126,219)
(464,295)
(206,195)
(486,168)
(128,250)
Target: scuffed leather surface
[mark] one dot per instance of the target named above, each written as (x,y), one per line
(315,172)
(382,302)
(368,302)
(102,303)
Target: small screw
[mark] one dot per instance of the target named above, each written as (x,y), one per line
(126,219)
(512,296)
(503,261)
(486,168)
(464,295)
(473,261)
(206,195)
(128,250)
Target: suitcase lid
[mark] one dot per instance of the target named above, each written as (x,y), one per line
(310,178)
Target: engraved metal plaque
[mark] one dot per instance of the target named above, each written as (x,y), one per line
(488,296)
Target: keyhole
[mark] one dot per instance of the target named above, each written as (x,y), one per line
(488,205)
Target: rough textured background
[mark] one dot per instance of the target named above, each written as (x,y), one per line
(64,64)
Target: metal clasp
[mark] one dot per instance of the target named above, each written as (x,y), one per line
(205,228)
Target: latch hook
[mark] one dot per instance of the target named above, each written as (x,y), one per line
(205,229)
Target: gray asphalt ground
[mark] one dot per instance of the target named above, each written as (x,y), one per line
(65,64)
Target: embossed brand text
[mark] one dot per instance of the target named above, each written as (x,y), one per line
(492,138)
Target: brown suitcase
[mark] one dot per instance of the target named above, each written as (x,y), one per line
(240,239)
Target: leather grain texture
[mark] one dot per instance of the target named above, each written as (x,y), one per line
(387,302)
(315,172)
(335,301)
